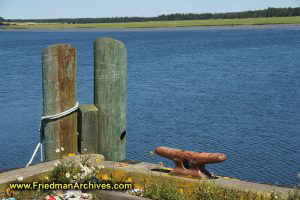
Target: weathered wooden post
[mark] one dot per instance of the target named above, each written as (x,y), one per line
(110,60)
(59,93)
(88,129)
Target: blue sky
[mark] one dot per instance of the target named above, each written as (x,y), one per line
(33,9)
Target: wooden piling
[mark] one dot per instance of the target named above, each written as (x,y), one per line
(110,60)
(88,129)
(59,95)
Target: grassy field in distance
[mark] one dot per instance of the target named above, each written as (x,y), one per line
(158,24)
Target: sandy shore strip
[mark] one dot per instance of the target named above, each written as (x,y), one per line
(185,28)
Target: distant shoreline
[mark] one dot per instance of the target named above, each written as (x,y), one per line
(213,27)
(268,22)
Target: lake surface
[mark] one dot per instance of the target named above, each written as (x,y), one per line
(235,91)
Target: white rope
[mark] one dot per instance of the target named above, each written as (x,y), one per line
(59,115)
(51,117)
(33,155)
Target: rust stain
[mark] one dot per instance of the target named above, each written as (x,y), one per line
(66,57)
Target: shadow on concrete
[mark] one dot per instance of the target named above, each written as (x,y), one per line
(132,162)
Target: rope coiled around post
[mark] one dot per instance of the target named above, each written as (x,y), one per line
(41,130)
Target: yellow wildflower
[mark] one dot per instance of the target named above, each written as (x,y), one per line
(181,190)
(129,180)
(71,154)
(258,196)
(242,197)
(105,177)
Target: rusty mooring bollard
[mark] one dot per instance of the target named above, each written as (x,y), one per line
(189,162)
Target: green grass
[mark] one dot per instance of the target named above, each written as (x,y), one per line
(158,24)
(170,189)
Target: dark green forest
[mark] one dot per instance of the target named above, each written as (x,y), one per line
(269,12)
(1,20)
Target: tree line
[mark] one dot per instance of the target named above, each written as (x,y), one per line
(269,12)
(1,20)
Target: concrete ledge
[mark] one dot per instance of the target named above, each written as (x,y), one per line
(40,168)
(142,167)
(114,195)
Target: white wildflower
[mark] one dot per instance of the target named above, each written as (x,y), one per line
(135,191)
(62,149)
(57,150)
(85,149)
(86,172)
(101,167)
(68,175)
(55,164)
(20,178)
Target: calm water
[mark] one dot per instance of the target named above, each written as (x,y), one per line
(233,91)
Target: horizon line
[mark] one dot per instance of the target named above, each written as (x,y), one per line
(141,16)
